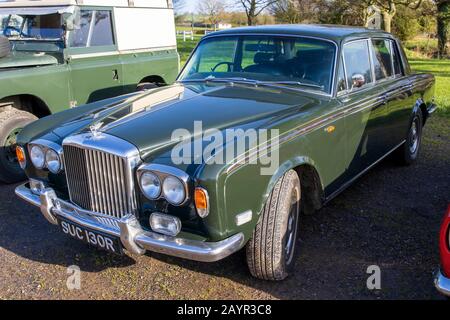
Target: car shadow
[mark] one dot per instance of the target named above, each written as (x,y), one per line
(25,232)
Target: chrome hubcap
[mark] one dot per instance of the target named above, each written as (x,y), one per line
(414,138)
(291,231)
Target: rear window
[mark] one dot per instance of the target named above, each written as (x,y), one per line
(382,57)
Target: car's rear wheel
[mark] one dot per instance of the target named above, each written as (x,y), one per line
(408,153)
(12,121)
(271,251)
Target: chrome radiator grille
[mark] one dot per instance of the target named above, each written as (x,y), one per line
(97,181)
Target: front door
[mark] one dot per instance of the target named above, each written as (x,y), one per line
(366,109)
(94,60)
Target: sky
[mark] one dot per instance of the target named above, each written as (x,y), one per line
(192,5)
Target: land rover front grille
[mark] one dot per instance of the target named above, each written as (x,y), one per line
(97,181)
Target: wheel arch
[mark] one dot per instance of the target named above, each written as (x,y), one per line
(29,103)
(158,80)
(310,182)
(420,106)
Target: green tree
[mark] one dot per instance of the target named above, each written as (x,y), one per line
(389,9)
(443,21)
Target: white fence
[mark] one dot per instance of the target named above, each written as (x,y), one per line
(186,34)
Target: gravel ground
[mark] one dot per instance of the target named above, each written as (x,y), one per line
(390,218)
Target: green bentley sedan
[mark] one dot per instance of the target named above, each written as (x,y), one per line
(263,125)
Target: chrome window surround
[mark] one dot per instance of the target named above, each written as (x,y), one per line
(374,82)
(163,171)
(46,145)
(334,68)
(104,142)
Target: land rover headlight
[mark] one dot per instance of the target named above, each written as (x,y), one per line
(173,190)
(37,156)
(53,161)
(150,185)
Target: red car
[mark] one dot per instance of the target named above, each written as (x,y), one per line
(442,281)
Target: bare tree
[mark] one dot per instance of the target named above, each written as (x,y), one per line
(213,10)
(294,11)
(253,8)
(178,5)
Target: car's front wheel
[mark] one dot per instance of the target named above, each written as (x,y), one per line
(271,251)
(11,123)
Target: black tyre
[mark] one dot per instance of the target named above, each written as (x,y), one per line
(271,251)
(5,47)
(11,123)
(408,153)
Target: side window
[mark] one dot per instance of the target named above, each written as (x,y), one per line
(397,60)
(382,58)
(95,29)
(341,84)
(102,33)
(357,63)
(79,36)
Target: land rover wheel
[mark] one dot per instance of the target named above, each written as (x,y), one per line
(144,86)
(271,251)
(11,123)
(409,151)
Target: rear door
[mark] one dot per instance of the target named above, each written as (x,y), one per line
(94,61)
(400,98)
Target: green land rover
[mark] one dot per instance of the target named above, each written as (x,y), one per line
(58,54)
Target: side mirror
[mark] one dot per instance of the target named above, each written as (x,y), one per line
(358,80)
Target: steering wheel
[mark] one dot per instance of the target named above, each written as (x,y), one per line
(8,29)
(228,64)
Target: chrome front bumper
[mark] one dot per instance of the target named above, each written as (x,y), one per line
(133,237)
(442,283)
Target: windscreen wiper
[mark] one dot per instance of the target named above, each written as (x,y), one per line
(295,83)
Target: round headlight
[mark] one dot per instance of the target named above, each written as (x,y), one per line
(53,161)
(150,185)
(173,190)
(37,157)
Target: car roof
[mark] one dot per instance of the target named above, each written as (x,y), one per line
(335,33)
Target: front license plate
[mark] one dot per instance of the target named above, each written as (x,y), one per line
(93,238)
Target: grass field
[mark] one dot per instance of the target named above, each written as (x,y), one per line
(440,68)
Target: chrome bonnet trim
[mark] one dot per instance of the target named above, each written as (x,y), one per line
(103,142)
(133,237)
